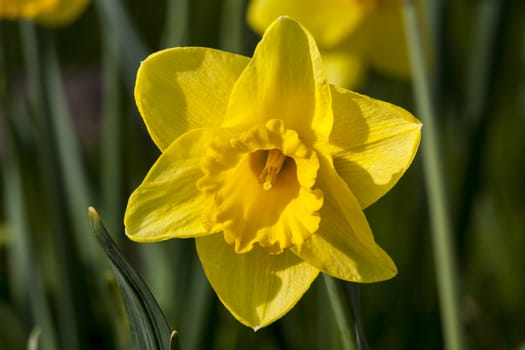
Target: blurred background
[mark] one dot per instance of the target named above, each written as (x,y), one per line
(71,136)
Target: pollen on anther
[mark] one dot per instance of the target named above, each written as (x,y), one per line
(274,162)
(267,185)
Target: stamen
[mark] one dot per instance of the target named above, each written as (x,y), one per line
(274,163)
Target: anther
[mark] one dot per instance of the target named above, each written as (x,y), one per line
(274,163)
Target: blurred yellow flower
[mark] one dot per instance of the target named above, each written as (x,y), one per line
(268,167)
(351,34)
(47,12)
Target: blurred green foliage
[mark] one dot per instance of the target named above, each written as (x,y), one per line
(50,280)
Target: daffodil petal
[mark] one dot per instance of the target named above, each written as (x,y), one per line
(344,246)
(284,80)
(65,12)
(344,68)
(256,287)
(25,9)
(185,88)
(383,35)
(376,142)
(167,204)
(330,21)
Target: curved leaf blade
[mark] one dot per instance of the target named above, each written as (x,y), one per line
(149,327)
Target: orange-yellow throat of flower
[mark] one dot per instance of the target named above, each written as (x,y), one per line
(274,163)
(260,188)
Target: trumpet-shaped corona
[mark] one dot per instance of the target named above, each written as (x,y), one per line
(280,213)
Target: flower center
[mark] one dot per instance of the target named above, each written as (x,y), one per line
(274,162)
(258,188)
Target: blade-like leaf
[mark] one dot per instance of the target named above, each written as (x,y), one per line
(174,341)
(149,327)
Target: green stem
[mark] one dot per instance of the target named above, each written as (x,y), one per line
(353,297)
(481,59)
(111,134)
(199,297)
(478,110)
(446,270)
(22,254)
(69,333)
(25,269)
(343,320)
(69,155)
(176,28)
(114,19)
(232,26)
(327,332)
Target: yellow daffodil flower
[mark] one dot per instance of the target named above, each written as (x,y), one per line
(268,167)
(351,34)
(47,12)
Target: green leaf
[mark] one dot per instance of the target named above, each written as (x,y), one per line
(149,327)
(34,338)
